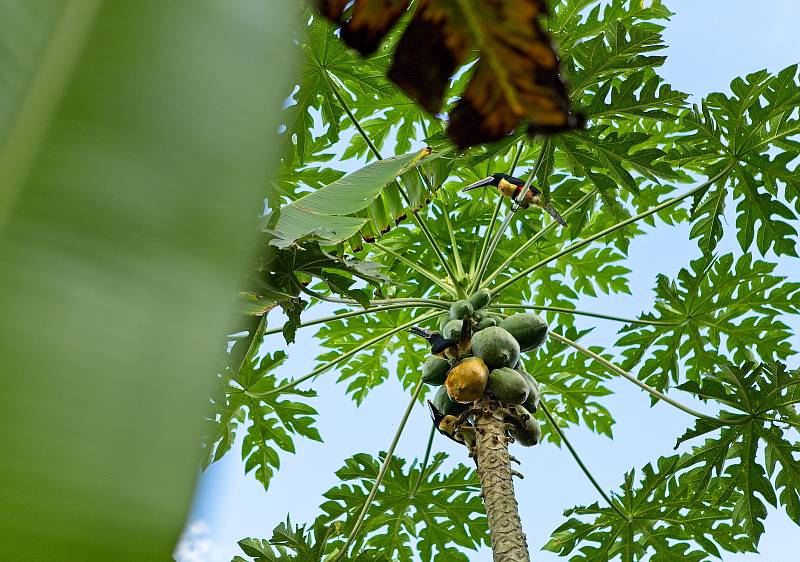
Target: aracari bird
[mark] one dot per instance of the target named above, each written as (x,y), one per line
(511,187)
(441,346)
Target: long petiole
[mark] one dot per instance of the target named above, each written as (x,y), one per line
(345,356)
(414,213)
(476,282)
(578,460)
(420,301)
(511,212)
(532,240)
(646,387)
(350,314)
(583,313)
(416,267)
(381,473)
(578,245)
(451,230)
(424,462)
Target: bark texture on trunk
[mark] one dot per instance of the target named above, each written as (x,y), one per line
(491,454)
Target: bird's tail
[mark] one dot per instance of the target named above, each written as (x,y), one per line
(553,213)
(421,332)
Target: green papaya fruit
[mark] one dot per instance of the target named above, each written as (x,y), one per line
(528,329)
(496,347)
(480,298)
(508,386)
(531,403)
(467,380)
(486,323)
(480,315)
(443,322)
(452,330)
(434,370)
(529,435)
(447,405)
(461,308)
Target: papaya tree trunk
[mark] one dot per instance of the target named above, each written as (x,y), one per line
(494,471)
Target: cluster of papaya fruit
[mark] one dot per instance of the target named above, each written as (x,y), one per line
(485,364)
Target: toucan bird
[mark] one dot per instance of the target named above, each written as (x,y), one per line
(445,424)
(440,345)
(511,187)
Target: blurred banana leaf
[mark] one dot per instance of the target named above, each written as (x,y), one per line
(136,139)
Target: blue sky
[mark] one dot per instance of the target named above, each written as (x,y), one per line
(710,42)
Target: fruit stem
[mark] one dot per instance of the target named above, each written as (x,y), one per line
(497,486)
(381,473)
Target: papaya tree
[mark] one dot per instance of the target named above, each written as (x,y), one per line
(472,297)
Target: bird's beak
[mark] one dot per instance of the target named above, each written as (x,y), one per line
(482,183)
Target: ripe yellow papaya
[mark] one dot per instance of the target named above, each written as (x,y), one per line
(467,380)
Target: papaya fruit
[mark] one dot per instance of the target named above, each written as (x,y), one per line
(461,308)
(445,404)
(486,323)
(434,370)
(508,386)
(443,322)
(467,380)
(528,329)
(528,434)
(531,403)
(496,347)
(452,330)
(480,299)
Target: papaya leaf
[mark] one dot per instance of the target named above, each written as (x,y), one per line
(516,76)
(715,307)
(761,393)
(299,543)
(269,422)
(753,128)
(442,517)
(659,520)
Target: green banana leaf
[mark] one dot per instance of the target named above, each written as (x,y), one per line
(135,143)
(367,201)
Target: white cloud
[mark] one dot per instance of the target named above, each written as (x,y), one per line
(196,545)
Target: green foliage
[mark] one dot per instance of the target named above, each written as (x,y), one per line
(244,401)
(130,168)
(440,516)
(435,513)
(712,497)
(643,145)
(717,308)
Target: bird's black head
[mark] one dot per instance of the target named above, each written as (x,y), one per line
(494,180)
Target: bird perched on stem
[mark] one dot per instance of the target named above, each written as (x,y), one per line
(511,187)
(441,346)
